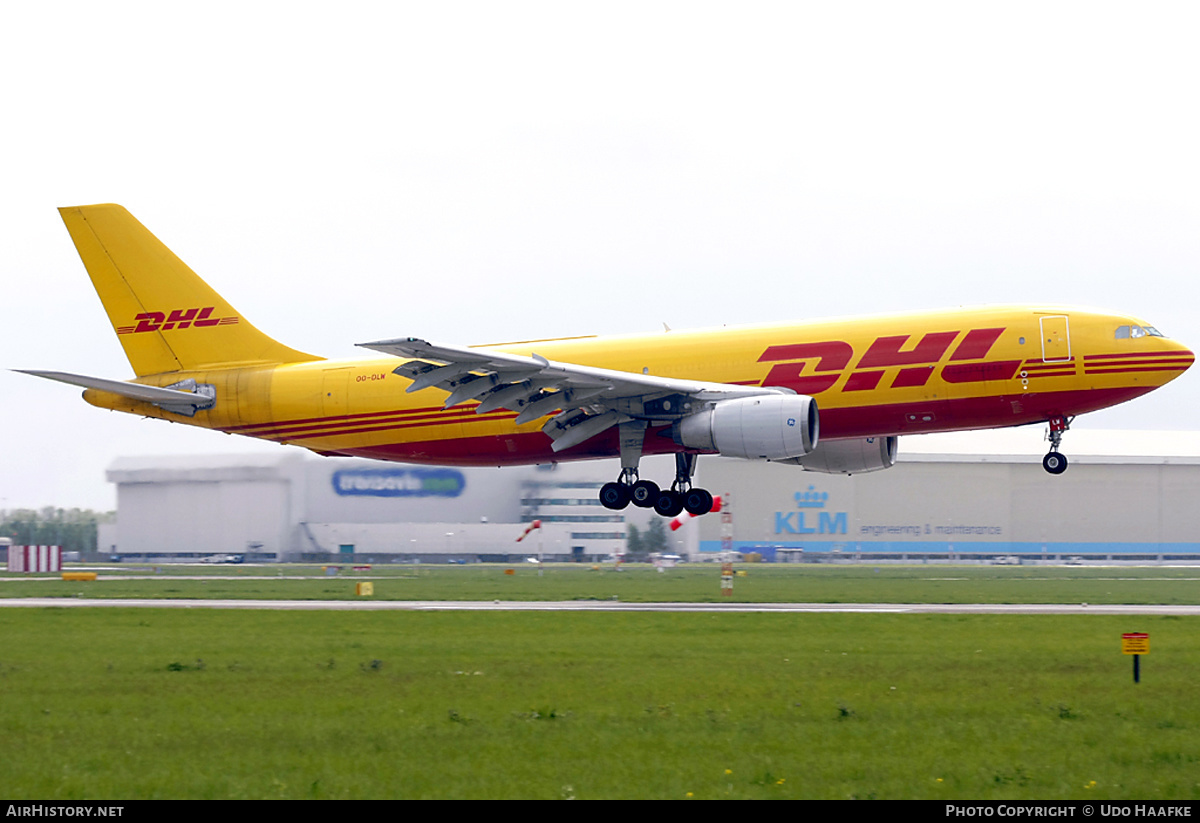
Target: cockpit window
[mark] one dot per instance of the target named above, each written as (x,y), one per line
(1126,332)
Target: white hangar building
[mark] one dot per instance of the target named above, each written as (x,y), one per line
(1126,495)
(294,506)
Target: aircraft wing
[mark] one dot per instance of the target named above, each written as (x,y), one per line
(589,399)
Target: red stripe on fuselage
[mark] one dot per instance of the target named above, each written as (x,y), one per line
(1038,365)
(980,372)
(358,423)
(379,427)
(247,428)
(1130,355)
(1133,369)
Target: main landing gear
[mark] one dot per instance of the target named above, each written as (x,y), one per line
(628,489)
(645,493)
(1055,462)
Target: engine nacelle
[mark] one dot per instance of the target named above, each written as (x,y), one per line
(850,456)
(768,426)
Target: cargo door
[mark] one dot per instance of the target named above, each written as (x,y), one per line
(1056,338)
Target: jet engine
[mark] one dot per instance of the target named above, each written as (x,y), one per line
(849,456)
(769,426)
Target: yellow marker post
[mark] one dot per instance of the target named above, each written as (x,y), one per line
(1137,644)
(364,588)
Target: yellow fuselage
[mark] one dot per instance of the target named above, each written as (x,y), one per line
(871,376)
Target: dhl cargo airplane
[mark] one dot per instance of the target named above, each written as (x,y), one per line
(749,392)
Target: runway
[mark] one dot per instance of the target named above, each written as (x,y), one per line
(598,606)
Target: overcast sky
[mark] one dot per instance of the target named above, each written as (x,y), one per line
(480,172)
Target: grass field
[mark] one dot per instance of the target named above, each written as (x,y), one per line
(145,703)
(159,703)
(698,582)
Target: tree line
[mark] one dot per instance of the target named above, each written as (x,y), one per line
(73,529)
(639,544)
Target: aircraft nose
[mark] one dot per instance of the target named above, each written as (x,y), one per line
(1182,357)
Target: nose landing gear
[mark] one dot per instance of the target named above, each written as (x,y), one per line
(1055,462)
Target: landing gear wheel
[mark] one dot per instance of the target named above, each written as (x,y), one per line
(644,493)
(669,504)
(614,496)
(698,502)
(1054,463)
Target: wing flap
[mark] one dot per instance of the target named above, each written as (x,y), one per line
(572,428)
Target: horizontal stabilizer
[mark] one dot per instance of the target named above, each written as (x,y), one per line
(172,399)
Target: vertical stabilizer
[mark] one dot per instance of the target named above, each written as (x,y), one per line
(165,316)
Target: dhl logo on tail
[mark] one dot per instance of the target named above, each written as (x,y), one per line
(177,319)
